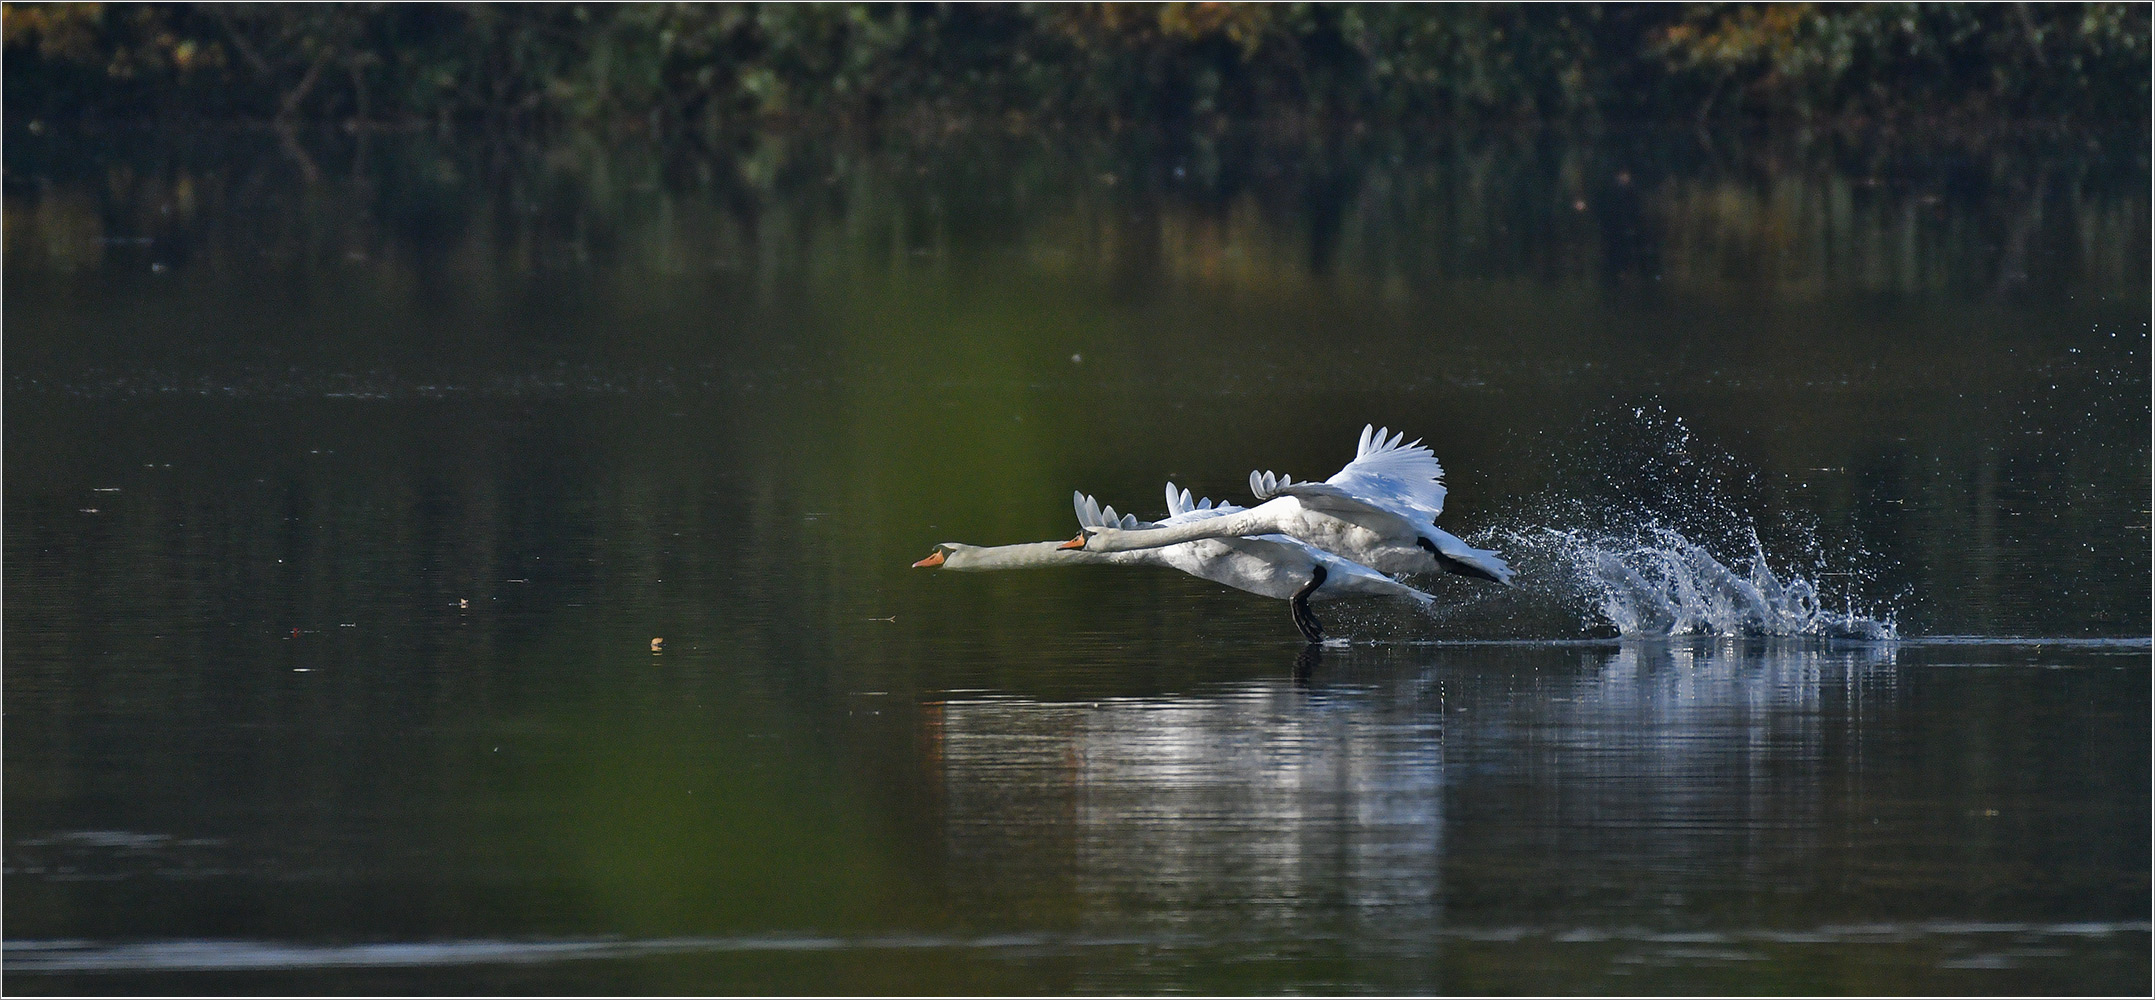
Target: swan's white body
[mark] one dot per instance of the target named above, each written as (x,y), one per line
(1271,565)
(1380,512)
(1274,566)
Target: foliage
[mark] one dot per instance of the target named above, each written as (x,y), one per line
(1173,62)
(1990,57)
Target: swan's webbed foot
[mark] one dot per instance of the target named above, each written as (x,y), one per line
(1312,629)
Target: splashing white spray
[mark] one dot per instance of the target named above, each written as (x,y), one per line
(1633,544)
(1657,582)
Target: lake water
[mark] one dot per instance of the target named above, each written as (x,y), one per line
(349,480)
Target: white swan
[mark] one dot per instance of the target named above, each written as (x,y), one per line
(1380,511)
(1272,566)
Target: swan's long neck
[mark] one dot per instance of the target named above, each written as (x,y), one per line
(1028,555)
(1254,521)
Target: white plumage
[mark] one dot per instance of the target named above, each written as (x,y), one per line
(1380,511)
(1271,565)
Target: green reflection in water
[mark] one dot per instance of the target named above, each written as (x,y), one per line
(678,821)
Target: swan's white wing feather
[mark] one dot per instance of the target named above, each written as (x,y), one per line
(1181,511)
(1202,514)
(1091,514)
(1179,503)
(1329,499)
(1265,485)
(1388,470)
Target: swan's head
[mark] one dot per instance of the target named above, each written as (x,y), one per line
(941,555)
(960,556)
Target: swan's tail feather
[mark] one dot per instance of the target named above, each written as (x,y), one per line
(1454,555)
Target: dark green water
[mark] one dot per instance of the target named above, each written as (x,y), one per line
(348,481)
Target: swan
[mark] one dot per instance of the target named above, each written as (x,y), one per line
(1380,511)
(1274,566)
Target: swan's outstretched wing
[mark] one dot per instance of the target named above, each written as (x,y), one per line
(1091,515)
(1386,470)
(1386,474)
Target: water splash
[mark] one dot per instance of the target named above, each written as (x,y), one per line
(1658,540)
(1655,581)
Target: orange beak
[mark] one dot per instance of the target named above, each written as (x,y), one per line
(1075,543)
(934,559)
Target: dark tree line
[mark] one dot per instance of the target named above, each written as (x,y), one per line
(682,64)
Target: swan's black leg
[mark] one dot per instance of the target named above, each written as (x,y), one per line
(1311,629)
(1451,565)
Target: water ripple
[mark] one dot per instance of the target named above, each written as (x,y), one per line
(75,956)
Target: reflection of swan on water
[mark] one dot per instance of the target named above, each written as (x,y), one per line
(1272,565)
(1306,664)
(1263,807)
(1380,511)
